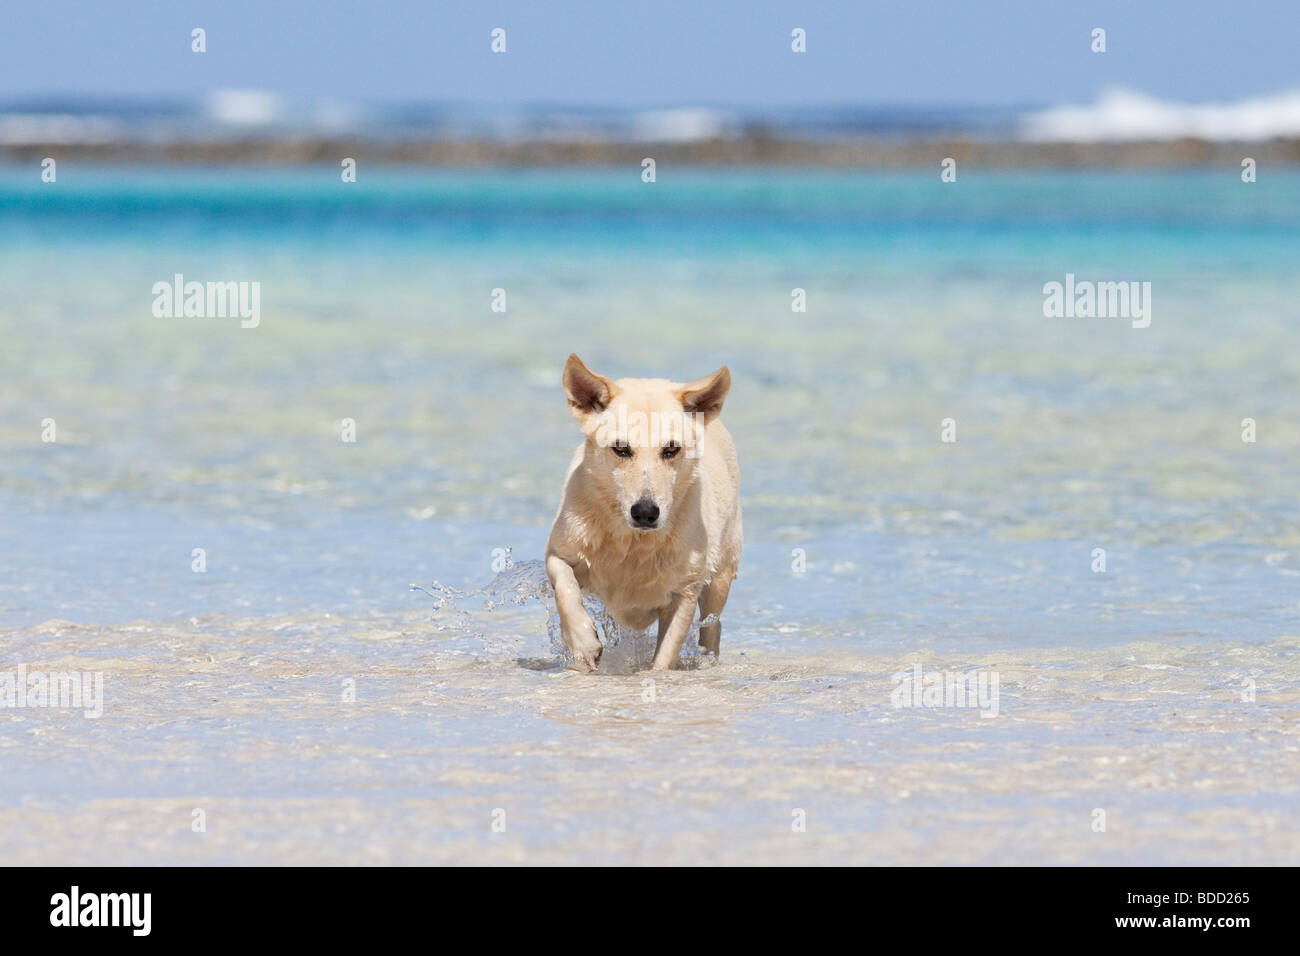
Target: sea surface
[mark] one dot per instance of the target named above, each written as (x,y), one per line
(199,532)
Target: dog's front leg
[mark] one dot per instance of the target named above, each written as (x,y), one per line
(575,623)
(674,625)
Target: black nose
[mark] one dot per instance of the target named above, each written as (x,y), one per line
(645,513)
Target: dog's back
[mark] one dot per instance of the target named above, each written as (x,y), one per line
(723,470)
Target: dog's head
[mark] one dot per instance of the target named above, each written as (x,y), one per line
(645,436)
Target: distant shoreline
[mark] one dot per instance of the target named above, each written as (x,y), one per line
(744,151)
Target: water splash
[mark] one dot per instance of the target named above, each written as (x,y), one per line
(525,582)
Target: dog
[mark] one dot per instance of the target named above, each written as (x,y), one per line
(650,518)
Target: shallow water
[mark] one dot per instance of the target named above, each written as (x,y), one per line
(1120,690)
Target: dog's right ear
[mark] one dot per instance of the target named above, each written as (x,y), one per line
(587,391)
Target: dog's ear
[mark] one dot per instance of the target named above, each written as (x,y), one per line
(705,396)
(587,392)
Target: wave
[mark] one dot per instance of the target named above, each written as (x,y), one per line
(238,115)
(244,107)
(1125,115)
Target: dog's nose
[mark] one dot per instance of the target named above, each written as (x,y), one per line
(645,513)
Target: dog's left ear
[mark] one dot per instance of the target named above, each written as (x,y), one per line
(705,396)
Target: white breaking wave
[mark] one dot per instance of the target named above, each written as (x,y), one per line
(685,125)
(243,107)
(1124,115)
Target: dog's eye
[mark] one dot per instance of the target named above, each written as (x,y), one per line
(670,450)
(621,449)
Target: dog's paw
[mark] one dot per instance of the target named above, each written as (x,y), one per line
(587,661)
(586,647)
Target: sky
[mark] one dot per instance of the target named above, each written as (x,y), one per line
(619,53)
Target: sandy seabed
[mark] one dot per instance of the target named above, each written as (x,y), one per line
(248,721)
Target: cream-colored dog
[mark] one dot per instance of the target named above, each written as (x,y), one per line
(650,521)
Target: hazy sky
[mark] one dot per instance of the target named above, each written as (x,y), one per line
(656,52)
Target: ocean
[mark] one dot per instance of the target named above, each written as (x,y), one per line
(180,511)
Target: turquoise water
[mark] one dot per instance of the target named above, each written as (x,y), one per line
(924,302)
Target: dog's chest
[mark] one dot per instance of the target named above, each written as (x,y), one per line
(632,584)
